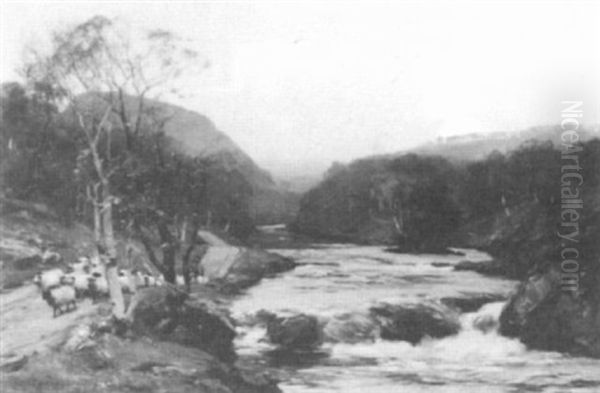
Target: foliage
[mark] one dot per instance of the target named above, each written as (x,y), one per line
(124,171)
(508,204)
(37,156)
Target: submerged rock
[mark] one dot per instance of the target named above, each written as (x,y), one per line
(489,268)
(298,332)
(413,322)
(485,323)
(441,264)
(471,303)
(544,317)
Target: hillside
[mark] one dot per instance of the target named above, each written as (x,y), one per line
(430,202)
(196,135)
(478,146)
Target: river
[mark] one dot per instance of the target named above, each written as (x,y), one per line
(335,279)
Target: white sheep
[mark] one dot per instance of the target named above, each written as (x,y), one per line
(95,265)
(138,278)
(128,284)
(97,270)
(80,282)
(47,280)
(82,265)
(37,279)
(200,279)
(180,279)
(62,295)
(143,280)
(67,279)
(50,256)
(50,278)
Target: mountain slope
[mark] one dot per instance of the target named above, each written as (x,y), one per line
(196,135)
(189,132)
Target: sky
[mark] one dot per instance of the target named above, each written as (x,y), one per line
(301,84)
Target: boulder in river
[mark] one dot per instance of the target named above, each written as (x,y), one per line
(351,328)
(543,316)
(251,265)
(413,322)
(240,267)
(441,264)
(489,268)
(298,332)
(485,323)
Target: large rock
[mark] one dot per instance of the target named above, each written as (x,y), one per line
(413,322)
(351,328)
(156,309)
(208,327)
(169,314)
(544,317)
(298,332)
(530,295)
(241,267)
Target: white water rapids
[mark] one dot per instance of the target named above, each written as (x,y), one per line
(339,279)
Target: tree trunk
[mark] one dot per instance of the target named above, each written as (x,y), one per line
(149,250)
(112,276)
(190,233)
(105,236)
(169,247)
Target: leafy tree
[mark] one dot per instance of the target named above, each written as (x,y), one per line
(95,62)
(37,159)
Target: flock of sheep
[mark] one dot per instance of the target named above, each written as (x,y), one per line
(86,278)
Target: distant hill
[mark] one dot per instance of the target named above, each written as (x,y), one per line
(372,200)
(196,135)
(477,146)
(193,134)
(458,148)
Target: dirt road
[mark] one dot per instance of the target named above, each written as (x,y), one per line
(27,324)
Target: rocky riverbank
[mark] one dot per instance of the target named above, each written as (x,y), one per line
(546,317)
(175,341)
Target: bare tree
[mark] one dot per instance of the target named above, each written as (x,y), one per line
(102,76)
